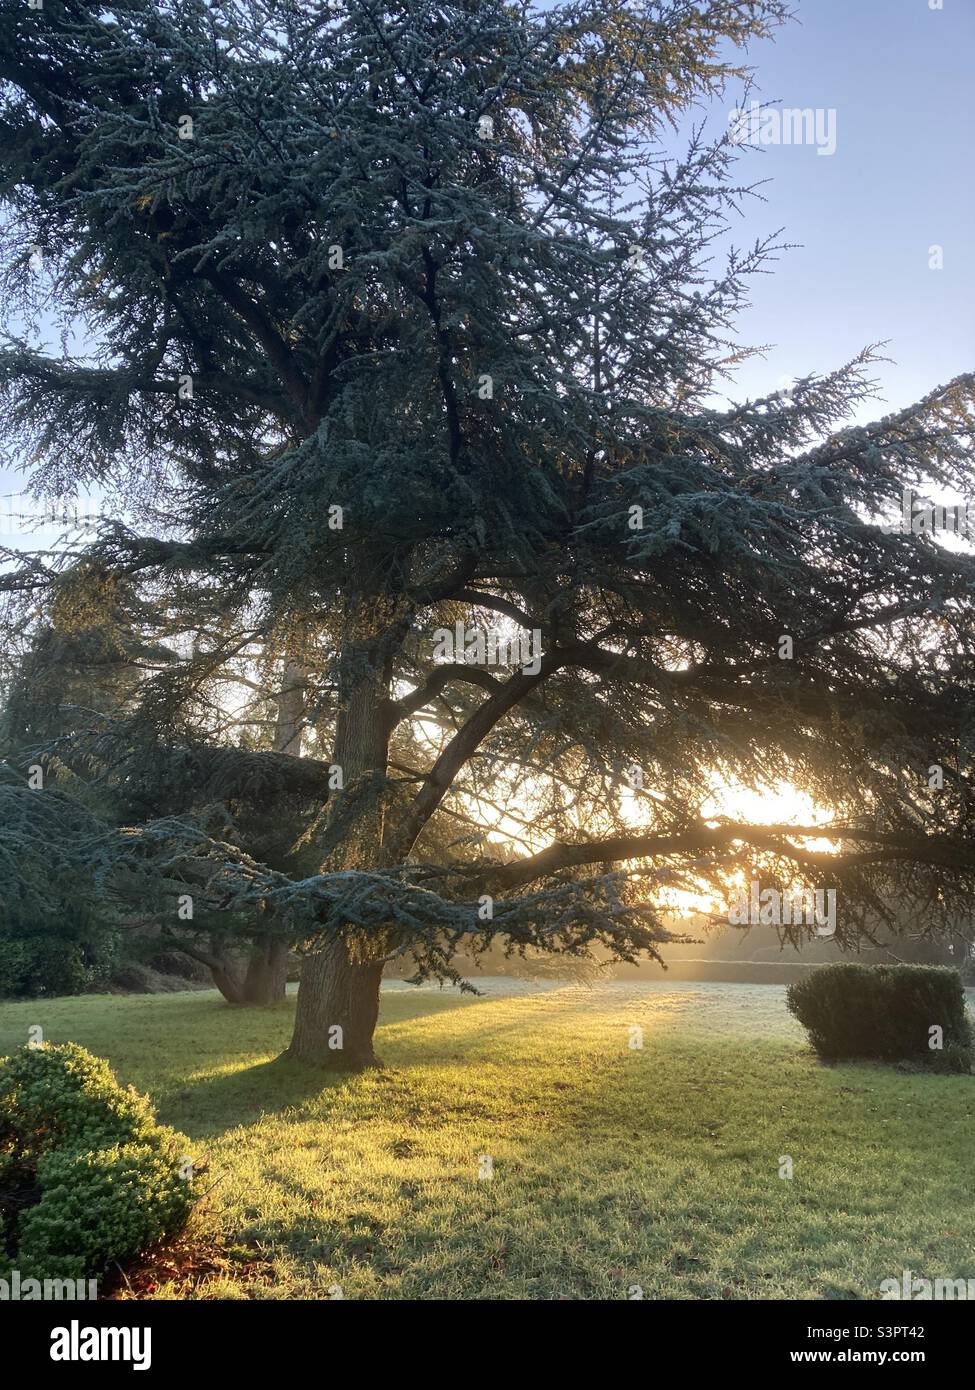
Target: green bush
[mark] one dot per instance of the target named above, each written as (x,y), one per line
(87,1176)
(63,953)
(886,1013)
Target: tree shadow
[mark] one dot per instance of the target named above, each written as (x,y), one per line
(210,1105)
(229,1094)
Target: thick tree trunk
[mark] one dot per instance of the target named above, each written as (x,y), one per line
(266,978)
(338,997)
(338,1006)
(259,979)
(228,975)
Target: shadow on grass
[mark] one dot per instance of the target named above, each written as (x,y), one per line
(210,1105)
(613,1173)
(230,1095)
(657,1168)
(223,1092)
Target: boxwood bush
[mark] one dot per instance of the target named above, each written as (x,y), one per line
(87,1176)
(887,1013)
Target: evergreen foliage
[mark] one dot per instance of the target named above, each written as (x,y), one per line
(396,313)
(87,1176)
(914,1013)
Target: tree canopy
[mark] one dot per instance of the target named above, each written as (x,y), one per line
(376,319)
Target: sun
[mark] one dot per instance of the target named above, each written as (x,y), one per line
(779,804)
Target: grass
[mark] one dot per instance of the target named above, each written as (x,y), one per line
(615,1169)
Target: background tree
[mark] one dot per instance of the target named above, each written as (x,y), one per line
(98,706)
(400,315)
(73,665)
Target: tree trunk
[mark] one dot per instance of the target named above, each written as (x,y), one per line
(338,997)
(261,978)
(228,975)
(290,701)
(266,978)
(338,1006)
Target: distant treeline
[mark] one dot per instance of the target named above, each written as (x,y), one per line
(753,955)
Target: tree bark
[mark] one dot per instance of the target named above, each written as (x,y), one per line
(228,975)
(266,978)
(261,978)
(338,1007)
(290,700)
(338,997)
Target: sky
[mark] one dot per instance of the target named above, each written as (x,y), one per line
(893,83)
(900,78)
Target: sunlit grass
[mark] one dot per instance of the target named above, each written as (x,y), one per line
(614,1168)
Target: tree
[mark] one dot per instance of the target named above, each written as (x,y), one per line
(402,318)
(74,720)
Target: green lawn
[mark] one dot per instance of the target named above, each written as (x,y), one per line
(613,1167)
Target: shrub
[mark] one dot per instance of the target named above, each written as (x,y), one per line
(885,1012)
(87,1176)
(64,953)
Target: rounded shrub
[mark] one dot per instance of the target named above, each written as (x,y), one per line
(911,1013)
(87,1176)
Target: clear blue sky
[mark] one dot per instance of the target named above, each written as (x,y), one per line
(901,78)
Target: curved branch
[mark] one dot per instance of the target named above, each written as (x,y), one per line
(941,850)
